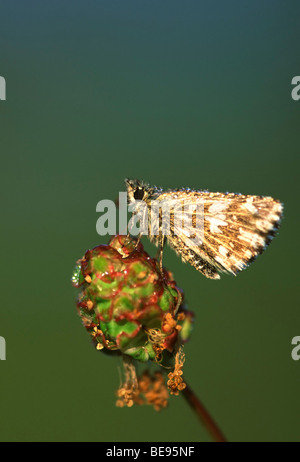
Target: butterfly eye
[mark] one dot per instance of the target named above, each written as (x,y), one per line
(139,194)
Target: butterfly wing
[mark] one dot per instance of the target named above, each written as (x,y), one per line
(217,232)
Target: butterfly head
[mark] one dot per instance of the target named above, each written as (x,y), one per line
(137,190)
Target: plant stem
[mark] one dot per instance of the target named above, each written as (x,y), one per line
(203,415)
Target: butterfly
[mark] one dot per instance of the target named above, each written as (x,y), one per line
(214,232)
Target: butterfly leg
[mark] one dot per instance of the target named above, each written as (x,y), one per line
(138,240)
(161,244)
(128,237)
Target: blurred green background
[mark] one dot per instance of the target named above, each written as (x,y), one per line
(177,93)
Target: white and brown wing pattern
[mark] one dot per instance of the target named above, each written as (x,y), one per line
(236,229)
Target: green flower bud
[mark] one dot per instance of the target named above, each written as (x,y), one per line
(128,306)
